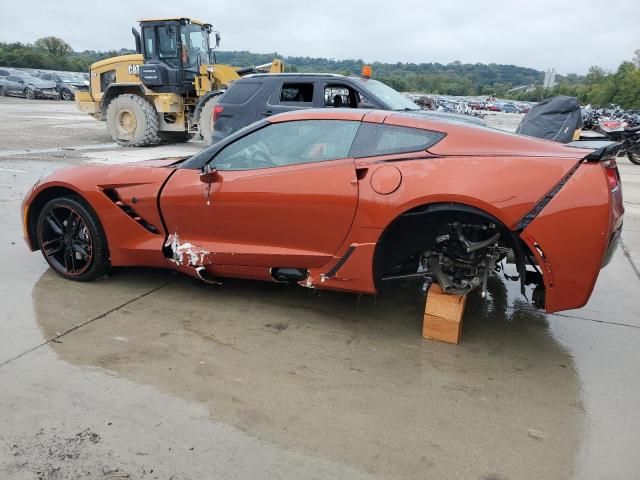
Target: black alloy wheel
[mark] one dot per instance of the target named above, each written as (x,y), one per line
(71,239)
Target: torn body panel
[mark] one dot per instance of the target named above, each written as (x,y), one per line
(350,272)
(185,253)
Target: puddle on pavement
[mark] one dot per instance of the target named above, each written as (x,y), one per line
(340,378)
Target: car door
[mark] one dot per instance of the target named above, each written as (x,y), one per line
(284,196)
(288,95)
(12,84)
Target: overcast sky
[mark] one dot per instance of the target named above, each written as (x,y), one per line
(567,35)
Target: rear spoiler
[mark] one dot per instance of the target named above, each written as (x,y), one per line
(601,149)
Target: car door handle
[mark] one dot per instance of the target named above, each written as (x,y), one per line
(267,113)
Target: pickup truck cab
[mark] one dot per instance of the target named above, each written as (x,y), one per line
(255,97)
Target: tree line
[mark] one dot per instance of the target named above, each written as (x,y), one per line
(598,87)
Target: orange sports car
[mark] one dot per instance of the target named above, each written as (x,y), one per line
(344,200)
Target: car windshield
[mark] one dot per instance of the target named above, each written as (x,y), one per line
(393,99)
(66,77)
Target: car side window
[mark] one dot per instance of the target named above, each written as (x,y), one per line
(11,78)
(295,94)
(46,76)
(375,139)
(241,92)
(340,96)
(289,143)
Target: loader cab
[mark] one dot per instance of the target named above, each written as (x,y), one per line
(173,51)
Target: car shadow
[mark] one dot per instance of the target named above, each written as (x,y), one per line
(340,376)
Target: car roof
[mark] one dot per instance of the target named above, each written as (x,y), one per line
(419,118)
(291,75)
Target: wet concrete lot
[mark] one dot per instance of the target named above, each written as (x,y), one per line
(149,374)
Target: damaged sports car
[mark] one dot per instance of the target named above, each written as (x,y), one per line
(346,200)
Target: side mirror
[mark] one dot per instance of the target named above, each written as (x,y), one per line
(208,174)
(217,37)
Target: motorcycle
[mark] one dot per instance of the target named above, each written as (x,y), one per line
(619,131)
(617,126)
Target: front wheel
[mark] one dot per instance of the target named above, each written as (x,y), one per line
(3,92)
(132,121)
(71,239)
(634,157)
(66,95)
(29,93)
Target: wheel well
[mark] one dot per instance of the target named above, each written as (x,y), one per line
(36,206)
(116,90)
(416,230)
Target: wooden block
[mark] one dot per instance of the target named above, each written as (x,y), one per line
(443,315)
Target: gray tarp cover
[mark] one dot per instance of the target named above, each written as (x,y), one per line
(555,118)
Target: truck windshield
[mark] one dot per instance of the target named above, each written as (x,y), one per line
(168,45)
(195,46)
(393,99)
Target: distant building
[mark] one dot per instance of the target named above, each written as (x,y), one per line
(550,78)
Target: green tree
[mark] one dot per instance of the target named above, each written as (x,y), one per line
(55,46)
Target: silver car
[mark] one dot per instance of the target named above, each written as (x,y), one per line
(66,83)
(24,85)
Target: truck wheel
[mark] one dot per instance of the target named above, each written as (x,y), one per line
(175,137)
(205,124)
(132,121)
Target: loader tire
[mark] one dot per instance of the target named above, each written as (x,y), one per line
(205,124)
(132,121)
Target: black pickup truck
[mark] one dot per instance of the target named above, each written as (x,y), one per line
(255,97)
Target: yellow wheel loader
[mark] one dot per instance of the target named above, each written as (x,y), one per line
(167,91)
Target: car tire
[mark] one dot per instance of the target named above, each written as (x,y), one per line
(29,93)
(175,137)
(72,240)
(205,124)
(634,157)
(65,94)
(3,92)
(132,121)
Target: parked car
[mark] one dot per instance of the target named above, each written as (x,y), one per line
(492,107)
(508,108)
(5,72)
(254,97)
(66,83)
(24,85)
(346,200)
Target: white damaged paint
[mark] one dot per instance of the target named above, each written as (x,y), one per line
(186,253)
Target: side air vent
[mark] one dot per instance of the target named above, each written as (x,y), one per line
(538,207)
(112,194)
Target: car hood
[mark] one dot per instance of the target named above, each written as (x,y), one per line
(92,182)
(36,82)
